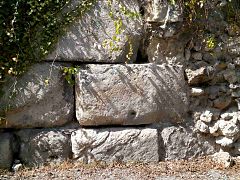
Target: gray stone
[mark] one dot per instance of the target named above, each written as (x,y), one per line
(130,94)
(94,37)
(222,102)
(197,56)
(206,116)
(17,167)
(223,158)
(42,98)
(115,144)
(225,141)
(198,76)
(167,51)
(197,91)
(236,61)
(183,143)
(230,76)
(38,146)
(233,46)
(6,150)
(213,130)
(237,148)
(202,127)
(164,12)
(228,128)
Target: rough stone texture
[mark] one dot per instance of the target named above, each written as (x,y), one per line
(198,76)
(115,144)
(85,39)
(223,158)
(233,46)
(38,103)
(168,51)
(197,91)
(42,146)
(183,143)
(6,150)
(163,12)
(130,94)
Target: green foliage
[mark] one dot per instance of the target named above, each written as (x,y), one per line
(29,30)
(68,73)
(116,15)
(211,42)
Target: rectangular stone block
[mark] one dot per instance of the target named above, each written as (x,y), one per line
(115,144)
(94,38)
(39,98)
(40,146)
(130,94)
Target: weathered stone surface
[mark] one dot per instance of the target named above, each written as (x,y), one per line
(130,94)
(230,76)
(206,116)
(225,141)
(42,98)
(6,150)
(183,143)
(198,76)
(223,158)
(197,56)
(229,128)
(202,127)
(196,91)
(233,46)
(88,40)
(115,144)
(222,102)
(163,12)
(42,146)
(167,51)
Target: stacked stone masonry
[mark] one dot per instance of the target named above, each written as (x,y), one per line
(182,103)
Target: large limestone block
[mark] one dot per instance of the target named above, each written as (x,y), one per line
(115,144)
(39,146)
(96,36)
(183,143)
(130,94)
(40,98)
(6,150)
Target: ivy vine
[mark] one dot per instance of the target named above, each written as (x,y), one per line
(30,29)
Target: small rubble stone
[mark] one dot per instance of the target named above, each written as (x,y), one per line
(214,129)
(230,76)
(222,102)
(228,128)
(202,127)
(200,75)
(17,167)
(197,56)
(225,141)
(223,158)
(196,91)
(206,116)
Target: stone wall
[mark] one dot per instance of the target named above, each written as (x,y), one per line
(177,98)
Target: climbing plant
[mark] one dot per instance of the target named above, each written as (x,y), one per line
(30,29)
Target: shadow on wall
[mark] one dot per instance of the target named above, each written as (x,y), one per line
(85,39)
(131,94)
